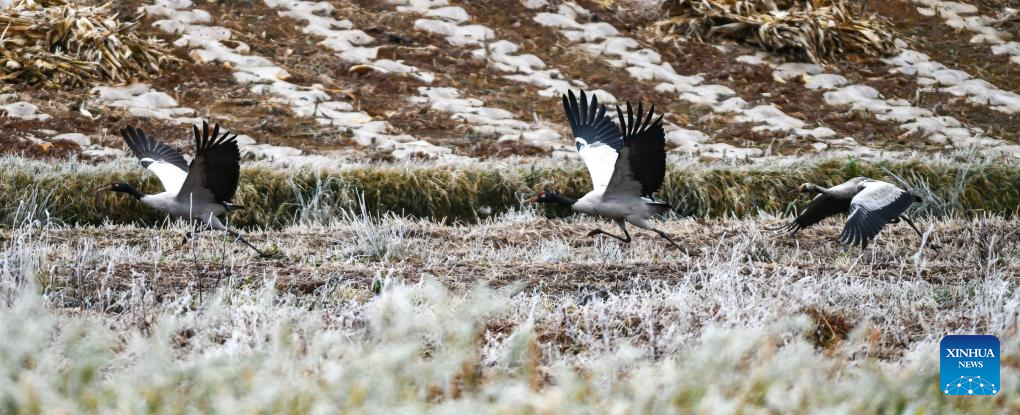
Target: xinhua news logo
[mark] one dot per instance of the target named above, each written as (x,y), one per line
(969,365)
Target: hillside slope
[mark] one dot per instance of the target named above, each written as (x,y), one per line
(328,82)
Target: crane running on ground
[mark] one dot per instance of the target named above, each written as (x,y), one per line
(200,191)
(626,167)
(869,205)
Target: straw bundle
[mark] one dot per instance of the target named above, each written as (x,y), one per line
(818,30)
(56,43)
(999,4)
(1008,21)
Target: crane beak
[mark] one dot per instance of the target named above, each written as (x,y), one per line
(531,200)
(104,189)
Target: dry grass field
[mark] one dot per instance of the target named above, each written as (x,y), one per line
(517,313)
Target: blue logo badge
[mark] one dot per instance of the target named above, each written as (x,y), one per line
(969,365)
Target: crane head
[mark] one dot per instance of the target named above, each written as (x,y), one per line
(807,188)
(804,188)
(107,188)
(541,197)
(113,187)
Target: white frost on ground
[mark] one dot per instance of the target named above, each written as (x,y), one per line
(342,37)
(96,151)
(839,91)
(695,143)
(486,120)
(265,77)
(87,149)
(502,55)
(601,39)
(80,139)
(20,109)
(530,69)
(937,77)
(141,100)
(449,22)
(720,337)
(962,16)
(288,155)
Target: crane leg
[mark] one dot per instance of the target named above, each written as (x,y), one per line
(663,234)
(237,235)
(919,234)
(191,234)
(622,226)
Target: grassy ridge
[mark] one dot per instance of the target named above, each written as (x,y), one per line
(276,197)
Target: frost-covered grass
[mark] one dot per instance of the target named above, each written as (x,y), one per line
(420,347)
(517,313)
(277,197)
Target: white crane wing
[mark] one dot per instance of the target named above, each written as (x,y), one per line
(600,160)
(164,161)
(597,138)
(871,209)
(171,176)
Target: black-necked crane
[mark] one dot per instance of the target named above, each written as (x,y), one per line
(869,205)
(199,191)
(626,167)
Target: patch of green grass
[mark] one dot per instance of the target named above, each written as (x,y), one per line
(278,197)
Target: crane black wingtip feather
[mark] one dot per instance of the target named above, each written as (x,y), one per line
(215,132)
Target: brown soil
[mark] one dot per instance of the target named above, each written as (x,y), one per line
(211,89)
(933,37)
(460,271)
(755,85)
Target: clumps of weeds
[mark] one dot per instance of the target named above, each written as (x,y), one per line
(829,328)
(32,211)
(280,197)
(820,31)
(379,238)
(316,202)
(756,246)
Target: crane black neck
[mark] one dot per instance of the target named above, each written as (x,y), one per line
(559,200)
(127,188)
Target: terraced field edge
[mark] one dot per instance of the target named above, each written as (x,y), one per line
(274,198)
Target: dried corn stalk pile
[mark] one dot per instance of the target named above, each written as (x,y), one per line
(999,4)
(1009,21)
(57,43)
(1006,15)
(818,30)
